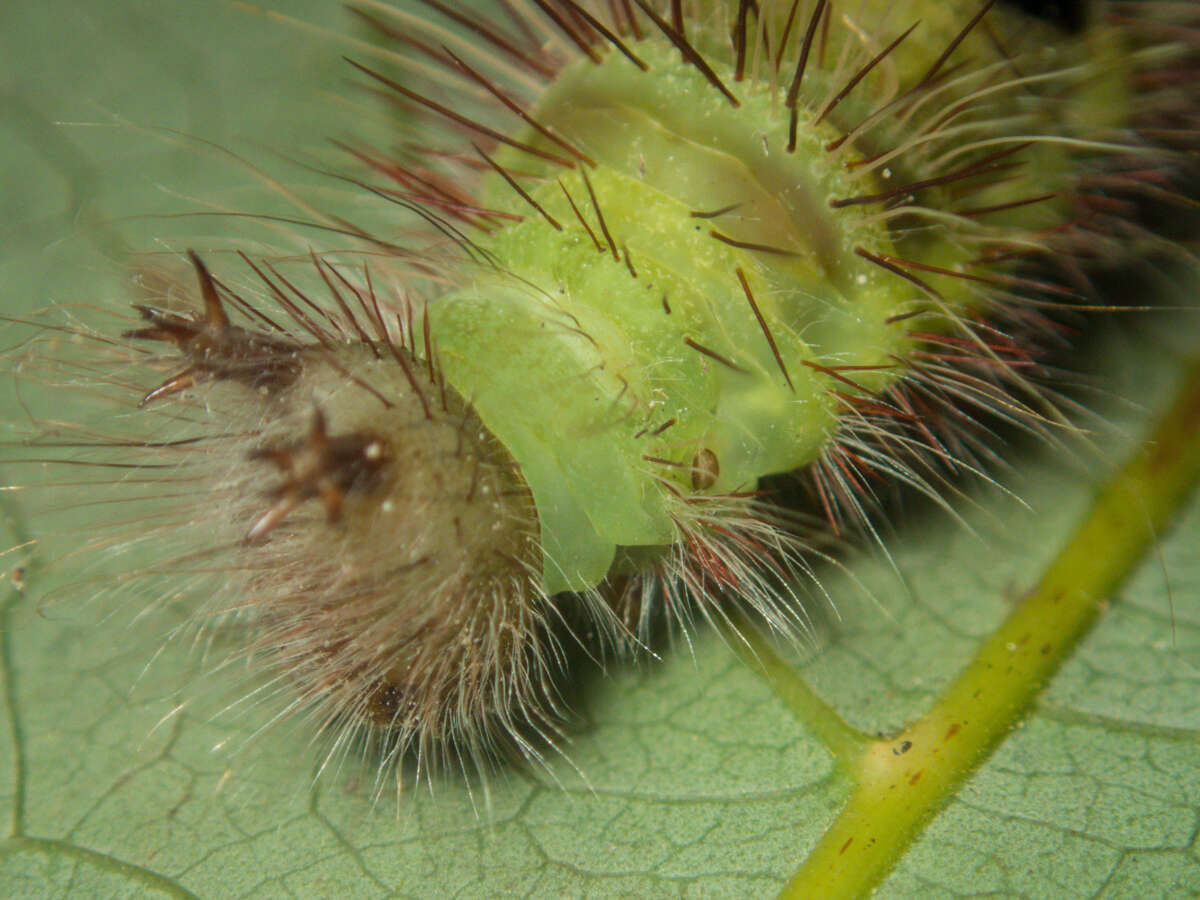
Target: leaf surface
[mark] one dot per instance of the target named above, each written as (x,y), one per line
(710,774)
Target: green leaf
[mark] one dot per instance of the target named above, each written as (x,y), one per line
(714,773)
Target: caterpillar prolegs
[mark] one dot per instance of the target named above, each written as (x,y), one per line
(646,254)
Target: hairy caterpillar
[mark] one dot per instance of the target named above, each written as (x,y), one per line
(672,250)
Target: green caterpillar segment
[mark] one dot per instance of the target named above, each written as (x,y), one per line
(623,379)
(690,287)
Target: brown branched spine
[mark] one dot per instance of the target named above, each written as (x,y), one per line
(215,348)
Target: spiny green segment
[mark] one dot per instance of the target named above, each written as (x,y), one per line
(595,359)
(605,362)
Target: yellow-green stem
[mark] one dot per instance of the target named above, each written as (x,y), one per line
(902,782)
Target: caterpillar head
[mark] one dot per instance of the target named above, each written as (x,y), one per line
(382,544)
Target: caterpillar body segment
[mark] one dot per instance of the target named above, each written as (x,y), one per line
(695,274)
